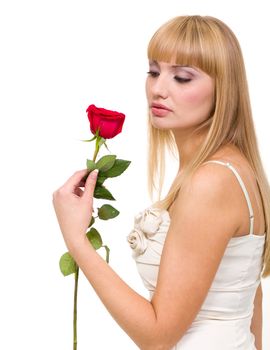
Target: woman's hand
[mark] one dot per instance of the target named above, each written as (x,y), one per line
(74,207)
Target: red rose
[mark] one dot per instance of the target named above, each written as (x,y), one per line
(108,122)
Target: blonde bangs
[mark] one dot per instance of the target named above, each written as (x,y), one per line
(184,42)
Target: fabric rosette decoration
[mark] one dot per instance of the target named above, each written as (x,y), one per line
(146,225)
(149,221)
(137,242)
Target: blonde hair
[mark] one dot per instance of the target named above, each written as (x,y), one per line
(210,45)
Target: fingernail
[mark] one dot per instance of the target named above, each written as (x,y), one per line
(94,173)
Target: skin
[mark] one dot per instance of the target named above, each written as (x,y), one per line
(191,99)
(186,265)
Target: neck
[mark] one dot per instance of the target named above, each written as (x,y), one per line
(188,144)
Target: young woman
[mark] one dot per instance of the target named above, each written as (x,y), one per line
(200,251)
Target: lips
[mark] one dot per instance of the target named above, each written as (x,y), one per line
(160,110)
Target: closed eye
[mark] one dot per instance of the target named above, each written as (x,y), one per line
(182,80)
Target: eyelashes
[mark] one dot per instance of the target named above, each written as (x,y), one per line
(154,74)
(182,80)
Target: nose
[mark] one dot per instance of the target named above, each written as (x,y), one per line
(159,87)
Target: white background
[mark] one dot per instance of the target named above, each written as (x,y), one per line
(57,57)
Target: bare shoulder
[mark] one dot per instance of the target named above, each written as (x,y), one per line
(211,190)
(210,178)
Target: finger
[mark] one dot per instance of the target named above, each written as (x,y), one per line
(90,184)
(78,192)
(82,182)
(74,181)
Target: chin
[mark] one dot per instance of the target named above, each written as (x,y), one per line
(160,123)
(163,124)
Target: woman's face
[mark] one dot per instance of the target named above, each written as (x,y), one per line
(179,97)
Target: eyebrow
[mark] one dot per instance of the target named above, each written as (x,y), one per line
(180,66)
(153,62)
(174,65)
(183,66)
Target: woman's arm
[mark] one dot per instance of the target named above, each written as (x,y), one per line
(192,252)
(256,323)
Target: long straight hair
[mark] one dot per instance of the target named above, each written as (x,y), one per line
(209,44)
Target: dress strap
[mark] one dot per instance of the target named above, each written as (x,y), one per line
(251,215)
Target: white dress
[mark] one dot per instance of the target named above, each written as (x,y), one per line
(223,322)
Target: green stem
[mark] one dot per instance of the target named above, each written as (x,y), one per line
(96,149)
(97,145)
(75,309)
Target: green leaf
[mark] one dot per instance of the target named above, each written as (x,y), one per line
(89,140)
(67,264)
(101,179)
(94,238)
(120,165)
(90,164)
(92,221)
(102,192)
(106,162)
(107,212)
(107,253)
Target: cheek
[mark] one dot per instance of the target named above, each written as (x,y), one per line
(199,96)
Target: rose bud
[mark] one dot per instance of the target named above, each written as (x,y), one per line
(108,122)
